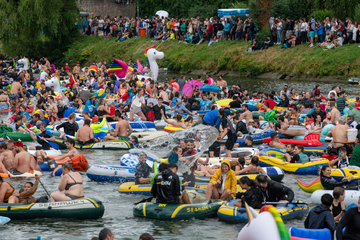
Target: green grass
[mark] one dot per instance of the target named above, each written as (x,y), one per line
(224,55)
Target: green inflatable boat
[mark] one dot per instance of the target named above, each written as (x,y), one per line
(177,211)
(108,145)
(83,208)
(23,136)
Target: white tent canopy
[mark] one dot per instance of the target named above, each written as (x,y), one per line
(162,13)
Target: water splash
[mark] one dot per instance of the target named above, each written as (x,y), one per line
(162,147)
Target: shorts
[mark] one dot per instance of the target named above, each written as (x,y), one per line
(14,96)
(13,171)
(215,147)
(42,148)
(230,143)
(123,138)
(220,33)
(312,34)
(52,117)
(87,142)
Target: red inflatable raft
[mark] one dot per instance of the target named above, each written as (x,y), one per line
(297,142)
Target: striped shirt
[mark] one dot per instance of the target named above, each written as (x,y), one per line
(340,104)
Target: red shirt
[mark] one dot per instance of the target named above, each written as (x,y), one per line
(67,69)
(271,103)
(210,28)
(125,97)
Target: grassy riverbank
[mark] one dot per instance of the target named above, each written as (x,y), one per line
(223,56)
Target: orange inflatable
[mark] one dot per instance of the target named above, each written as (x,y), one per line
(79,163)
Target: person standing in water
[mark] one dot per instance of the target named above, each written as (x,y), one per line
(15,93)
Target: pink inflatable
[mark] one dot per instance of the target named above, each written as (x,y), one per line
(176,86)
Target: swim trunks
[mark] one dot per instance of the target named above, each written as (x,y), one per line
(87,142)
(14,96)
(13,171)
(123,138)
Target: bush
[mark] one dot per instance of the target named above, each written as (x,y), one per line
(357,13)
(261,36)
(320,15)
(203,11)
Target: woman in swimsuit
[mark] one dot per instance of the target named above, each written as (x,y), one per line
(253,167)
(81,106)
(71,182)
(8,194)
(102,111)
(293,116)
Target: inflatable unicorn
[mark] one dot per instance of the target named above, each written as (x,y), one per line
(118,67)
(152,55)
(54,82)
(24,62)
(268,221)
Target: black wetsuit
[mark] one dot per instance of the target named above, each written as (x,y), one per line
(166,187)
(330,183)
(350,220)
(276,192)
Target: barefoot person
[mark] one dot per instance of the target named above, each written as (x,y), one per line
(22,162)
(6,157)
(15,93)
(122,130)
(73,152)
(85,135)
(71,182)
(223,184)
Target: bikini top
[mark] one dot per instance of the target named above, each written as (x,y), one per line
(69,185)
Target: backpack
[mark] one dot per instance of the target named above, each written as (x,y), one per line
(284,45)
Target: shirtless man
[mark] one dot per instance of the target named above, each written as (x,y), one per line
(22,162)
(297,132)
(52,110)
(220,82)
(15,93)
(122,129)
(73,152)
(339,134)
(76,69)
(247,115)
(85,134)
(335,114)
(10,146)
(178,123)
(152,89)
(164,95)
(275,141)
(281,121)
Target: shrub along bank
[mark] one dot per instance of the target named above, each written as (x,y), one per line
(222,56)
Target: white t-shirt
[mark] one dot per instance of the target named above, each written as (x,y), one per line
(43,76)
(303,27)
(279,25)
(177,25)
(101,23)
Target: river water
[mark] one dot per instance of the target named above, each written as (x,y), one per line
(118,207)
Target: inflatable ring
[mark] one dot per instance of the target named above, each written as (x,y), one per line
(176,86)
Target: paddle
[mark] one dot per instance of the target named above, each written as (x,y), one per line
(284,203)
(144,200)
(43,187)
(53,145)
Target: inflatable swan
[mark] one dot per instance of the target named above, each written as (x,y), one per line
(24,62)
(54,82)
(269,221)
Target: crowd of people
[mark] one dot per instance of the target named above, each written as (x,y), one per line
(326,33)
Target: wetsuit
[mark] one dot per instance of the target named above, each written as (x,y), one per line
(253,197)
(69,128)
(330,183)
(350,220)
(276,192)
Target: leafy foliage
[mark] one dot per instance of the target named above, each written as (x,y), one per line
(357,13)
(322,14)
(37,27)
(203,11)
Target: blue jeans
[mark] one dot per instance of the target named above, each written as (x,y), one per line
(238,36)
(278,35)
(209,36)
(252,35)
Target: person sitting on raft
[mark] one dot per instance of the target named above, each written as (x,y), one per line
(70,127)
(223,183)
(23,161)
(293,133)
(252,196)
(275,141)
(342,160)
(142,170)
(44,135)
(338,204)
(212,118)
(26,194)
(329,183)
(253,167)
(273,191)
(71,182)
(85,134)
(123,129)
(8,194)
(178,123)
(73,152)
(166,187)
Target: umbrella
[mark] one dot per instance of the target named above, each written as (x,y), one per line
(190,86)
(210,88)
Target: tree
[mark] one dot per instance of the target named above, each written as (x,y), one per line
(260,12)
(38,27)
